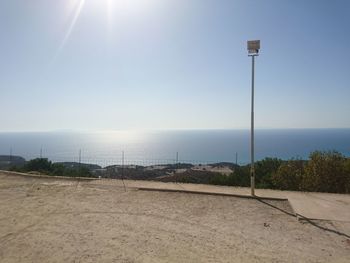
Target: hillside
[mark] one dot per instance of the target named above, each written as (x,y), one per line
(7,161)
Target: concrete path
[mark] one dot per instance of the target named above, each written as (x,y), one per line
(307,205)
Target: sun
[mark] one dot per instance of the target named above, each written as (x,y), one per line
(115,11)
(121,12)
(129,6)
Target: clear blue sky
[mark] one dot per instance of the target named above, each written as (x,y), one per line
(164,64)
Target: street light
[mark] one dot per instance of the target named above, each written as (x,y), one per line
(253,51)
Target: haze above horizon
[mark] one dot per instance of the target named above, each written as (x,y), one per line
(175,64)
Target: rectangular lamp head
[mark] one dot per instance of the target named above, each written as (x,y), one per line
(253,46)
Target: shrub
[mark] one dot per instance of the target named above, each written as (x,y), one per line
(240,177)
(347,174)
(325,172)
(58,169)
(264,170)
(45,166)
(42,165)
(289,175)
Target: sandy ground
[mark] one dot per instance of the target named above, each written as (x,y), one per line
(52,220)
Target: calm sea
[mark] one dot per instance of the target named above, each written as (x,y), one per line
(153,147)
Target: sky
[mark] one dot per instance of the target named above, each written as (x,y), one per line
(173,64)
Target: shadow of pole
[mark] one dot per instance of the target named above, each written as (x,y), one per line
(314,223)
(310,221)
(275,207)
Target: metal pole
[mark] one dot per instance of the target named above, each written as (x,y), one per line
(177,165)
(123,165)
(252,170)
(123,171)
(79,157)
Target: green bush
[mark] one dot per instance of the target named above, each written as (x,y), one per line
(78,172)
(264,170)
(42,165)
(323,172)
(289,175)
(326,172)
(45,166)
(347,173)
(240,177)
(58,169)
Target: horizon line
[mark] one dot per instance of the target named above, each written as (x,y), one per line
(167,129)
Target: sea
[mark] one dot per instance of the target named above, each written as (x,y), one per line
(170,146)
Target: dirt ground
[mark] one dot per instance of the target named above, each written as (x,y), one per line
(55,220)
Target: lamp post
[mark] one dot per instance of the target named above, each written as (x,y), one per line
(253,51)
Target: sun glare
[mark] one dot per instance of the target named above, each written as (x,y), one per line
(114,10)
(124,7)
(76,7)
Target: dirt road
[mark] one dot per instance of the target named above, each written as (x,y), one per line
(52,220)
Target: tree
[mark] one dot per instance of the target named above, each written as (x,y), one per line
(264,170)
(240,176)
(40,165)
(289,175)
(325,172)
